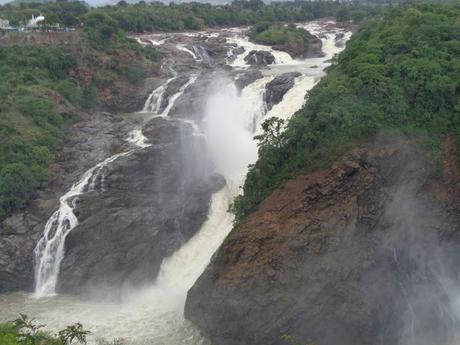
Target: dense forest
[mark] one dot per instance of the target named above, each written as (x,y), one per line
(287,38)
(155,16)
(42,91)
(398,72)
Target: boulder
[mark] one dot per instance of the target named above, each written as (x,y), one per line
(259,58)
(277,88)
(247,78)
(340,40)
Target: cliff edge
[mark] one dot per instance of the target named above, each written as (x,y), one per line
(362,252)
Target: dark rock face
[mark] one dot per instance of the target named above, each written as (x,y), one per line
(18,235)
(259,58)
(349,255)
(146,205)
(340,40)
(277,88)
(91,140)
(248,78)
(314,49)
(190,105)
(99,135)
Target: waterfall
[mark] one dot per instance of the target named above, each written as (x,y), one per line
(155,99)
(188,51)
(202,54)
(153,314)
(49,250)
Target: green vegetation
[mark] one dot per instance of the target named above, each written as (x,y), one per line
(192,16)
(65,13)
(24,331)
(31,128)
(45,86)
(400,71)
(283,37)
(42,91)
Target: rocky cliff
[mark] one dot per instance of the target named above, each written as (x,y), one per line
(144,207)
(362,252)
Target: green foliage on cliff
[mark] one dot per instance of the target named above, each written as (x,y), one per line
(284,37)
(401,71)
(42,88)
(30,126)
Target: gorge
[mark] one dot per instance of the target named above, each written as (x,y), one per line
(142,218)
(169,175)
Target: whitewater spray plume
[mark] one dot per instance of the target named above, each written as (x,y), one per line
(426,313)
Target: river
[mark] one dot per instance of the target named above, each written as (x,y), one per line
(153,313)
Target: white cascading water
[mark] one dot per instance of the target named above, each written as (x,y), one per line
(188,51)
(153,314)
(49,250)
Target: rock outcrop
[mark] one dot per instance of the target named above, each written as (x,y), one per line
(357,254)
(144,207)
(340,40)
(277,88)
(259,58)
(298,49)
(97,136)
(246,78)
(90,141)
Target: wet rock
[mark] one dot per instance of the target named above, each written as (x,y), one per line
(259,58)
(340,40)
(238,50)
(95,137)
(147,204)
(18,235)
(191,103)
(277,88)
(314,49)
(247,78)
(172,88)
(346,255)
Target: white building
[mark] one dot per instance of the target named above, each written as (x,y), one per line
(33,22)
(4,23)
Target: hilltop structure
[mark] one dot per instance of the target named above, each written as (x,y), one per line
(34,21)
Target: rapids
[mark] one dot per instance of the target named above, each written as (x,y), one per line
(153,314)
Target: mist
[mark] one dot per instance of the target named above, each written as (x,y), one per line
(424,260)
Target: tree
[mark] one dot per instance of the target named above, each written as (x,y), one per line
(272,136)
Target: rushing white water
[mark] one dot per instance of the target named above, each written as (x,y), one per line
(49,251)
(155,99)
(280,56)
(157,43)
(153,314)
(185,49)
